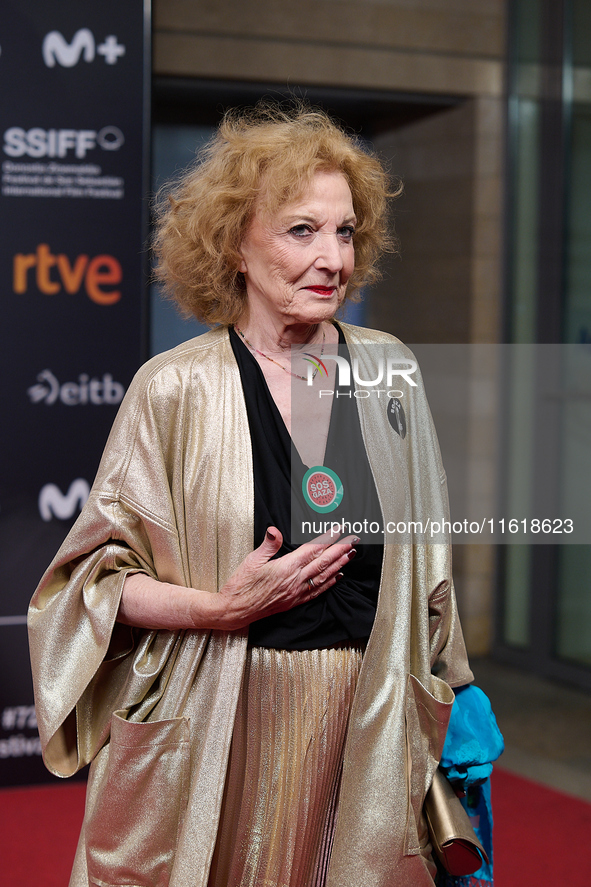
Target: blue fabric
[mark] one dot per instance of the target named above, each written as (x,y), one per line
(472,743)
(473,738)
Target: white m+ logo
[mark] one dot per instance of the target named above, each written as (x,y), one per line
(56,49)
(53,503)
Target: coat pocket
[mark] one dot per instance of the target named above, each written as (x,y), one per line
(133,826)
(427,716)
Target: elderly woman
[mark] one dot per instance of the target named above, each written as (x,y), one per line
(259,710)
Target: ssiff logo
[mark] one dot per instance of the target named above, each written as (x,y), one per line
(56,49)
(38,142)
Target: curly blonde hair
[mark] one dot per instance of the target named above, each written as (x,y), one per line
(272,154)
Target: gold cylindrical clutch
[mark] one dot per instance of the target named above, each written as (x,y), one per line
(453,838)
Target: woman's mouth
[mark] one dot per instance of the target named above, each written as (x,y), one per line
(322,290)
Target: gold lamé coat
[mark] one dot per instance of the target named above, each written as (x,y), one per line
(154,710)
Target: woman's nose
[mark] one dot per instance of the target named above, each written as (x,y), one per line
(329,251)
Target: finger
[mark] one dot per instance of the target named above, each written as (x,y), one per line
(333,554)
(330,536)
(315,587)
(346,541)
(321,570)
(310,551)
(268,548)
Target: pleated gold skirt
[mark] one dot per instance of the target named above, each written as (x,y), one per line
(281,793)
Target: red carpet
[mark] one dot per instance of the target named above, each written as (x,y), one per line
(39,829)
(541,836)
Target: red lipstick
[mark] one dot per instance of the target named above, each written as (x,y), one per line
(322,290)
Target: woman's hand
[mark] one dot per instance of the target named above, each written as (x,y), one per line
(261,586)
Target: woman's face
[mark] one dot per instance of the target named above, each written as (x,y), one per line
(297,261)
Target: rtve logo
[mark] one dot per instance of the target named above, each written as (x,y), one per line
(56,49)
(52,273)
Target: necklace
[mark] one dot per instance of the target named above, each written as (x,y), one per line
(266,356)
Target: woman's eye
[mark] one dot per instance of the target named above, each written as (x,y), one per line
(305,232)
(300,230)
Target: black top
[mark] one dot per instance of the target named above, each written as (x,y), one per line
(347,609)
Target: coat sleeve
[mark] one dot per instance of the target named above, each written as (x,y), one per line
(447,649)
(84,663)
(449,659)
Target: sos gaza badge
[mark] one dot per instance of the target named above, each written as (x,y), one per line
(322,489)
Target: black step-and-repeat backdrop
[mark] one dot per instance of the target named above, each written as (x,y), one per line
(74,110)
